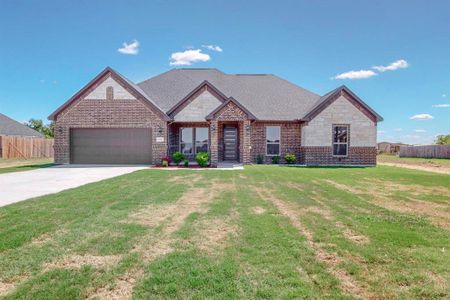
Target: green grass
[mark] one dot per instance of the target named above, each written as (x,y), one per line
(443,162)
(17,165)
(222,248)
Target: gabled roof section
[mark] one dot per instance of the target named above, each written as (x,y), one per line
(204,86)
(123,80)
(331,96)
(9,126)
(267,96)
(250,116)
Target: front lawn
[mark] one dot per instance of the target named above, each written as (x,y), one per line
(16,165)
(439,162)
(264,232)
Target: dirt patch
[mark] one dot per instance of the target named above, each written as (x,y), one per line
(78,261)
(351,235)
(343,187)
(213,234)
(348,284)
(258,210)
(6,287)
(122,288)
(429,168)
(42,239)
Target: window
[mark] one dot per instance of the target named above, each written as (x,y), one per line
(340,140)
(273,140)
(201,140)
(186,141)
(193,140)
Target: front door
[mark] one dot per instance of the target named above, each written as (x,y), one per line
(230,144)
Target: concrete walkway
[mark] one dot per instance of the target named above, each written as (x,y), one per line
(19,186)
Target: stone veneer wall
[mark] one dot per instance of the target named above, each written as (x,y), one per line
(112,113)
(317,135)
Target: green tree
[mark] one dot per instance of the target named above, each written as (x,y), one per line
(39,126)
(443,139)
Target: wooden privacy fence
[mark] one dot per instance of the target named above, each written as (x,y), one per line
(25,147)
(429,151)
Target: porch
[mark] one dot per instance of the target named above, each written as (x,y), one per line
(225,141)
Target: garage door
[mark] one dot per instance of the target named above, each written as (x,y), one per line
(111,146)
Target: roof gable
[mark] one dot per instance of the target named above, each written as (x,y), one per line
(201,88)
(332,96)
(133,89)
(232,101)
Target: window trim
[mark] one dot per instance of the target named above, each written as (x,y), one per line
(194,140)
(340,143)
(267,143)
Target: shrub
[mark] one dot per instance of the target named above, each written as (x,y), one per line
(165,161)
(186,163)
(275,160)
(290,158)
(202,159)
(259,159)
(178,157)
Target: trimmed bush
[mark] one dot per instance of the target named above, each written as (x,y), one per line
(290,158)
(275,160)
(186,163)
(259,159)
(202,159)
(178,157)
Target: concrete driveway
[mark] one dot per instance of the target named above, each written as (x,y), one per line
(19,186)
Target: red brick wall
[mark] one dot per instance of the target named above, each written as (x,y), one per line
(316,156)
(290,139)
(114,113)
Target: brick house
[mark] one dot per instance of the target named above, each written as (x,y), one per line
(234,117)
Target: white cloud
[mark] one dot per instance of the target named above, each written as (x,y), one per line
(361,74)
(420,130)
(398,129)
(399,64)
(422,117)
(444,95)
(381,132)
(132,48)
(213,48)
(188,57)
(441,105)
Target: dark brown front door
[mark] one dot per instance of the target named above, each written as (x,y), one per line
(230,145)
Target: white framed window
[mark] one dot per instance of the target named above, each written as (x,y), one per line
(194,140)
(340,140)
(273,137)
(186,138)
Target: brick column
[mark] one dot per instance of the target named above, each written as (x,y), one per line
(246,155)
(214,143)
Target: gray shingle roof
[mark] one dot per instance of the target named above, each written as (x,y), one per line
(9,126)
(266,96)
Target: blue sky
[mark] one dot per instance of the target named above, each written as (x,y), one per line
(50,49)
